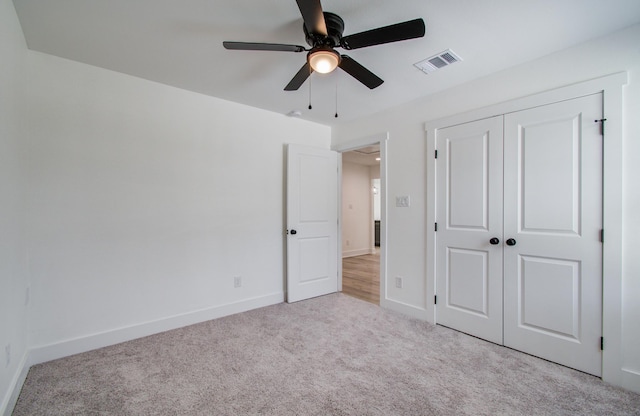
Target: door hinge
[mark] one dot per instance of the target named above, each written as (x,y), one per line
(436,227)
(601,343)
(435,299)
(601,121)
(436,154)
(602,236)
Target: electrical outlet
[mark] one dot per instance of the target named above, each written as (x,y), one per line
(237,281)
(7,352)
(399,282)
(348,243)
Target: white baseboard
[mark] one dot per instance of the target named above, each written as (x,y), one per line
(11,397)
(354,253)
(405,309)
(41,354)
(630,380)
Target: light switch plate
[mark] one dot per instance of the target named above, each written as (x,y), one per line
(403,201)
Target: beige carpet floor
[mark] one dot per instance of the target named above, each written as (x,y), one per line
(333,355)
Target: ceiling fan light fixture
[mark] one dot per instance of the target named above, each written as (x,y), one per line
(323,59)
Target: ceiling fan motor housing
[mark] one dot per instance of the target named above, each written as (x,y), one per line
(335,28)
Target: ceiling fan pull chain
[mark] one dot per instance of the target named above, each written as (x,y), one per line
(310,90)
(336,116)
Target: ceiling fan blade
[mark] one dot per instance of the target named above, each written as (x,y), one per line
(313,17)
(360,73)
(256,46)
(299,78)
(400,31)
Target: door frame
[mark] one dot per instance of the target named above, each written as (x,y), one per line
(381,139)
(611,87)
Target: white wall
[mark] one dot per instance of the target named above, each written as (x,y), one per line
(144,201)
(357,222)
(13,271)
(407,160)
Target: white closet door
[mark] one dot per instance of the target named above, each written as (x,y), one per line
(469,211)
(553,217)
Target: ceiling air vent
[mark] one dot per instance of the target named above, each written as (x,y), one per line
(438,61)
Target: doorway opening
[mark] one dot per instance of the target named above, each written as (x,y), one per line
(361,225)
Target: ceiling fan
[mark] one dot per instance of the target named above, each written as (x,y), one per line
(323,32)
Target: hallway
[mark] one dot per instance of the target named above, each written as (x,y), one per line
(361,277)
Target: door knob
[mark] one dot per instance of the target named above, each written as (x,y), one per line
(293,232)
(511,242)
(494,241)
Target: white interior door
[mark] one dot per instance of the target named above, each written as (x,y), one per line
(553,216)
(312,222)
(469,211)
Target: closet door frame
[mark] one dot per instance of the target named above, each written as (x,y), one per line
(611,88)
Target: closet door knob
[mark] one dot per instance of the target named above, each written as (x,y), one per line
(294,232)
(494,241)
(511,242)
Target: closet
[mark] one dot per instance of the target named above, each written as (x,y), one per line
(518,241)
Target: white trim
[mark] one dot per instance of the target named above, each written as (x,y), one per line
(11,397)
(355,253)
(66,348)
(612,291)
(384,218)
(382,139)
(606,83)
(405,309)
(430,235)
(339,208)
(362,142)
(612,88)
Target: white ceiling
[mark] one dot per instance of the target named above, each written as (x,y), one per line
(179,43)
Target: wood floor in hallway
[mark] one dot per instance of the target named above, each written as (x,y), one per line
(361,277)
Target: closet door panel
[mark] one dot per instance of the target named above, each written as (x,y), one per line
(553,216)
(469,211)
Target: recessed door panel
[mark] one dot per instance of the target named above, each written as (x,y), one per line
(549,296)
(314,207)
(467,175)
(313,252)
(549,154)
(467,280)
